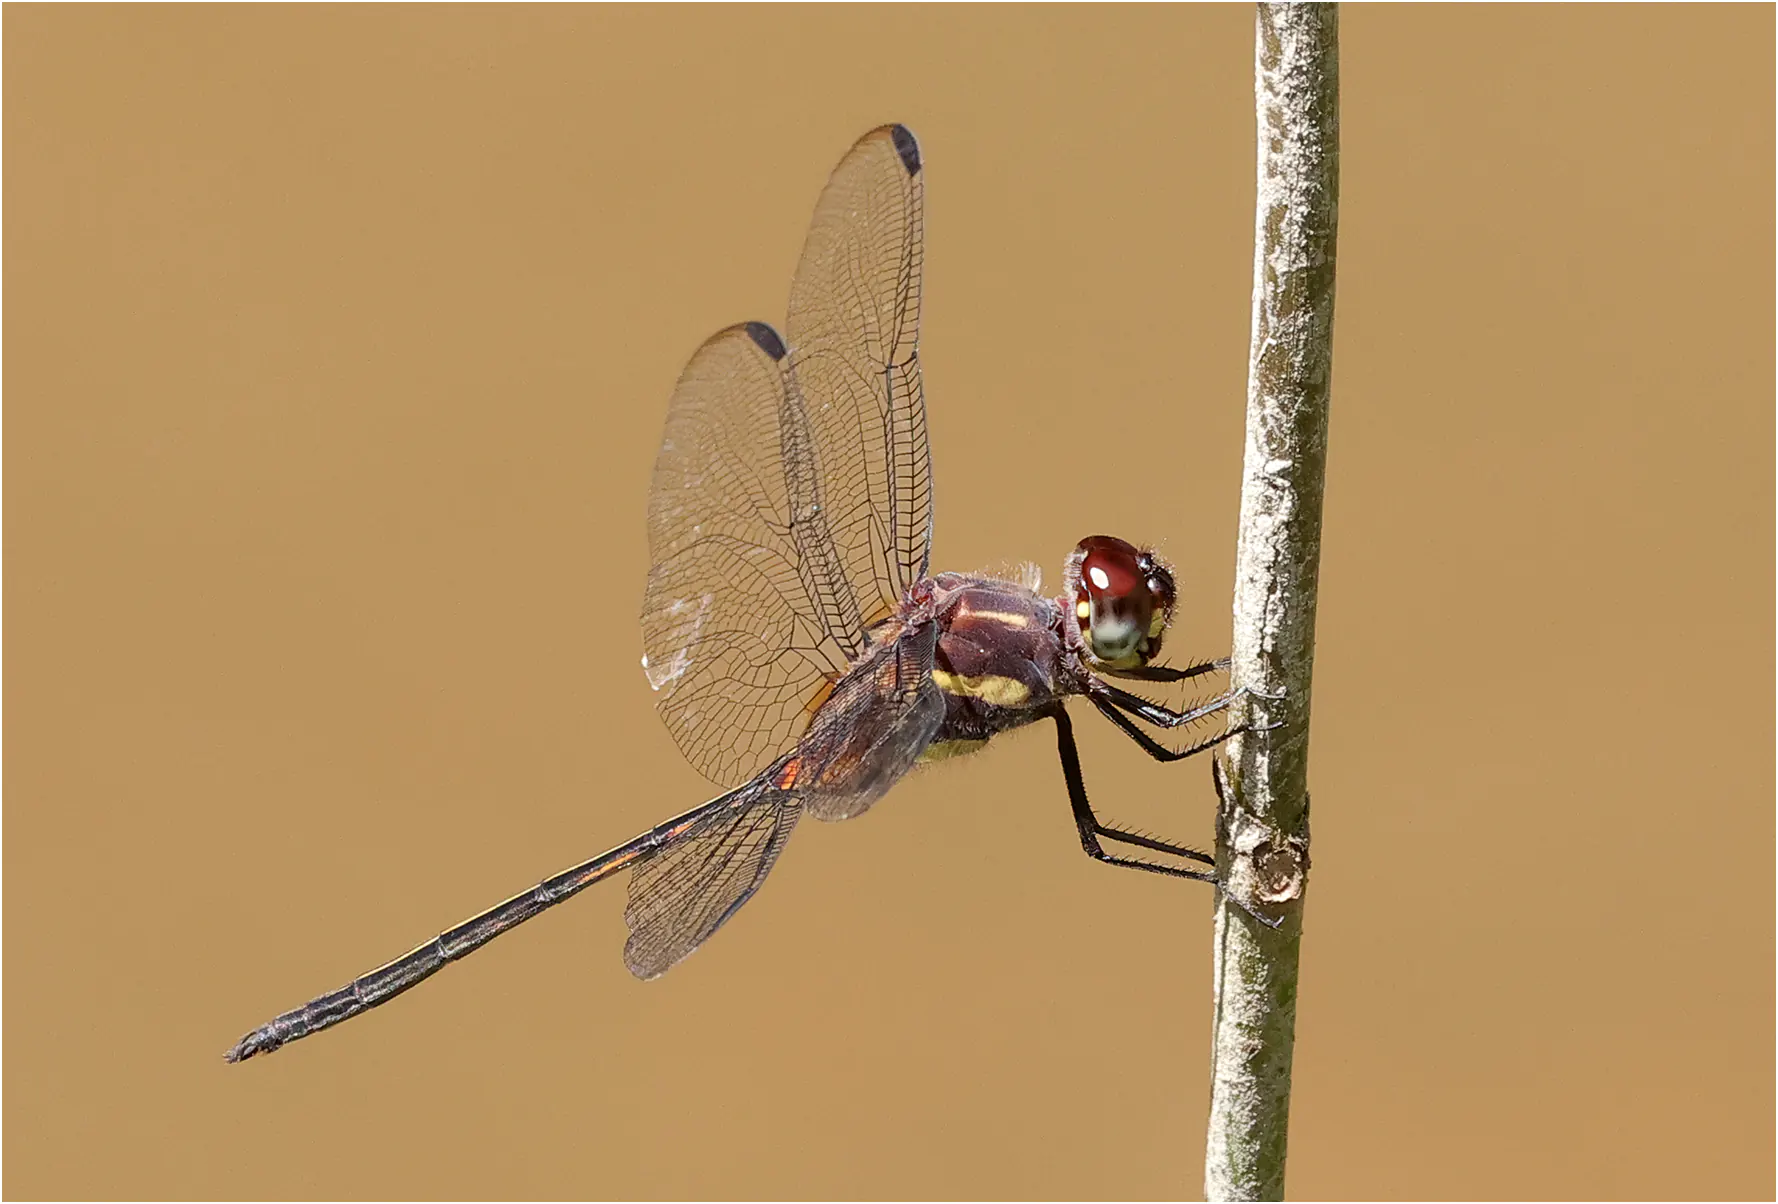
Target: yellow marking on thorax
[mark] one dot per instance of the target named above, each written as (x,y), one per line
(991,688)
(1009,617)
(944,750)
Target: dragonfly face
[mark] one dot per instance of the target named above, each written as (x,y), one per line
(1123,600)
(802,656)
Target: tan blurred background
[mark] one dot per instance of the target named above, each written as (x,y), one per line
(338,344)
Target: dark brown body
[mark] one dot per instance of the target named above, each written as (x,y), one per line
(963,658)
(1002,660)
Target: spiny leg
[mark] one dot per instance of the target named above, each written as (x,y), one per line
(1162,716)
(1091,829)
(1149,842)
(1165,673)
(1154,712)
(1155,748)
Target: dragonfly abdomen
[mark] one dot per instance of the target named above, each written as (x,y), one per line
(409,970)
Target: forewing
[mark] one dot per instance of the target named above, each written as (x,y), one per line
(735,622)
(853,330)
(792,498)
(688,890)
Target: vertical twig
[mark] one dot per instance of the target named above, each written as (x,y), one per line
(1263,829)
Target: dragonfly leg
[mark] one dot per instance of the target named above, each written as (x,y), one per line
(1091,829)
(1166,717)
(1162,673)
(1157,714)
(1155,748)
(1166,673)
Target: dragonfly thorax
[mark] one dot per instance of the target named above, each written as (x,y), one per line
(1000,661)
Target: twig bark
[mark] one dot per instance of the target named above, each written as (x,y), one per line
(1263,828)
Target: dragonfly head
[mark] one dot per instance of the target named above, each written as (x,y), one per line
(1123,599)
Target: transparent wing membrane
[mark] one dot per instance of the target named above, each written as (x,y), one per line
(881,716)
(854,333)
(875,726)
(792,498)
(688,890)
(735,643)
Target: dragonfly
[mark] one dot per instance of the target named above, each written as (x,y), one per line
(803,658)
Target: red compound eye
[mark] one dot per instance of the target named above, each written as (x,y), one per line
(1110,568)
(1123,600)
